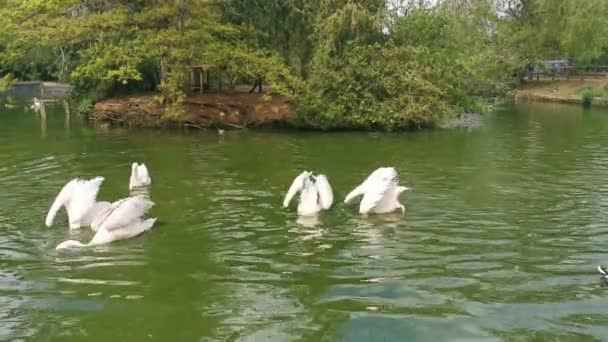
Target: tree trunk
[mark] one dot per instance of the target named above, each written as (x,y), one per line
(163,70)
(181,14)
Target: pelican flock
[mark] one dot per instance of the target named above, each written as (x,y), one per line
(127,217)
(380,191)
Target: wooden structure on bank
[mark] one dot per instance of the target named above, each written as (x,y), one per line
(201,70)
(200,79)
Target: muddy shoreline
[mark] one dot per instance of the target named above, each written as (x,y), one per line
(201,111)
(220,111)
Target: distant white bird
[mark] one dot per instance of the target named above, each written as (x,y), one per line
(78,197)
(139,176)
(315,193)
(380,192)
(37,104)
(122,220)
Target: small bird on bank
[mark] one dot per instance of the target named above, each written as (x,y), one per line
(140,177)
(380,192)
(315,193)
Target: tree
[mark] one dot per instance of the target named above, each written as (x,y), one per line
(102,46)
(545,29)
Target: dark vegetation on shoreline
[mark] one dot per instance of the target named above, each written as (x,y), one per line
(367,64)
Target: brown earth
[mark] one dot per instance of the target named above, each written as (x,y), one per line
(563,91)
(237,110)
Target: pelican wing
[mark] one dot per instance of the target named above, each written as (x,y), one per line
(103,215)
(62,199)
(77,196)
(326,195)
(126,212)
(83,198)
(377,186)
(356,192)
(363,187)
(296,186)
(97,214)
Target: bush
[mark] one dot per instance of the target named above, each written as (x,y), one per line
(85,106)
(372,87)
(587,96)
(6,82)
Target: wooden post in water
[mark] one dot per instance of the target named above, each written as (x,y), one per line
(42,119)
(201,79)
(42,110)
(66,108)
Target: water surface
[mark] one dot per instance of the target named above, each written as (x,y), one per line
(504,226)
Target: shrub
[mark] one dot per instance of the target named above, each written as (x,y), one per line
(85,106)
(587,96)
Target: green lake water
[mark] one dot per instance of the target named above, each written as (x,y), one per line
(504,227)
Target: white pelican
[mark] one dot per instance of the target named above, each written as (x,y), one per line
(315,193)
(139,176)
(78,197)
(123,219)
(37,103)
(380,192)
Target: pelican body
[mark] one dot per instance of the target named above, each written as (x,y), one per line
(315,193)
(123,219)
(380,192)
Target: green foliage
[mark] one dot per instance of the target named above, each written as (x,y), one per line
(85,106)
(171,93)
(373,87)
(103,47)
(548,29)
(587,94)
(432,61)
(6,82)
(369,64)
(245,63)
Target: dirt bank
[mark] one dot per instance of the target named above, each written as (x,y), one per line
(202,111)
(564,91)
